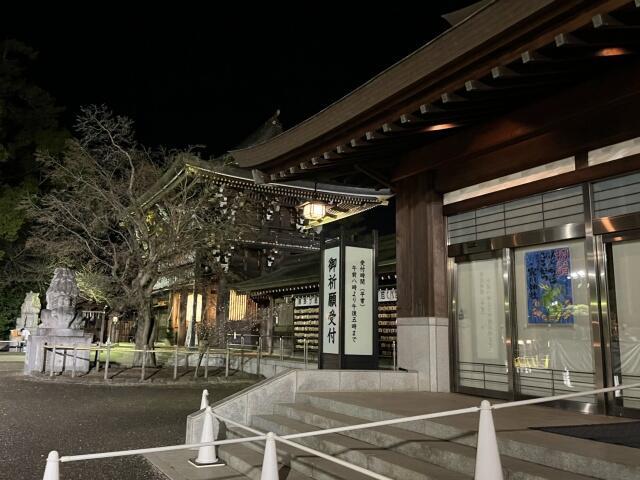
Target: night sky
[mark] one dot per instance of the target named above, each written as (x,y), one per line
(193,75)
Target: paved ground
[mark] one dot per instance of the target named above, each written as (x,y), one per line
(39,416)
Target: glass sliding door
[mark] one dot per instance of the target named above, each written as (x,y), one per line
(553,350)
(623,265)
(480,323)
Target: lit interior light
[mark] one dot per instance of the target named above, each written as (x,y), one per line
(439,126)
(314,210)
(612,52)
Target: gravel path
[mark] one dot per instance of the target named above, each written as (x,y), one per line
(37,416)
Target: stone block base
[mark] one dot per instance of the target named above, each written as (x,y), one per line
(423,346)
(38,358)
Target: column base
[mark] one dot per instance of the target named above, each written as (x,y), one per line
(423,346)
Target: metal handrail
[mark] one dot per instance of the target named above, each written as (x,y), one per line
(169,448)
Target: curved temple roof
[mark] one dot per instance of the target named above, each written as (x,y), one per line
(343,201)
(501,55)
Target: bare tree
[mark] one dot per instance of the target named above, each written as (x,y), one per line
(100,219)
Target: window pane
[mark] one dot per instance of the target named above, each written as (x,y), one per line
(555,353)
(482,357)
(626,264)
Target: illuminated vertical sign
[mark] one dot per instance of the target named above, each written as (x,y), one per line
(331,301)
(359,301)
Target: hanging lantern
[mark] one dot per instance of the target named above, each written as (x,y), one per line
(314,210)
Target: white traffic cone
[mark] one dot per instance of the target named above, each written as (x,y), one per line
(488,465)
(207,454)
(204,403)
(52,470)
(270,459)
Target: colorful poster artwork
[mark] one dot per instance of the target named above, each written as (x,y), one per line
(549,291)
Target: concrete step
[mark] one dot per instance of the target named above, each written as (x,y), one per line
(296,462)
(380,460)
(247,460)
(452,456)
(585,458)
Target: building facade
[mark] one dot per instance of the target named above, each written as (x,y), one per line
(511,142)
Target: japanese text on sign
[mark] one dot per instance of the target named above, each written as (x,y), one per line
(331,301)
(359,334)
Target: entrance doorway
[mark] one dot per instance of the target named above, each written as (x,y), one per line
(481,322)
(521,322)
(622,311)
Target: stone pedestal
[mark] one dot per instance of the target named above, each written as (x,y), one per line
(55,329)
(36,358)
(423,346)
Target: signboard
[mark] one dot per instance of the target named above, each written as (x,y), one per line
(387,295)
(331,301)
(310,300)
(348,304)
(358,301)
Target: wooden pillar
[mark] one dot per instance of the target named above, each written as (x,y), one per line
(423,321)
(182,317)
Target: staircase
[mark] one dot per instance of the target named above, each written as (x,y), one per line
(425,450)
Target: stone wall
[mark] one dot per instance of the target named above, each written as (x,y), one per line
(260,399)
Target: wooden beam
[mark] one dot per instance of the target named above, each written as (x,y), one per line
(581,160)
(344,149)
(586,130)
(452,98)
(408,118)
(358,143)
(582,175)
(568,40)
(427,108)
(316,161)
(531,56)
(391,128)
(501,72)
(476,86)
(567,107)
(604,20)
(372,135)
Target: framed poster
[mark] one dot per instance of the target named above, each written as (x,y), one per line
(549,288)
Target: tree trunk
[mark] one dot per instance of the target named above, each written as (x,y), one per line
(144,330)
(222,308)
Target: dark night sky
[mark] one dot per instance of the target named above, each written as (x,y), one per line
(191,75)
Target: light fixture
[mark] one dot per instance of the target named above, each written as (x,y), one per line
(314,209)
(612,52)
